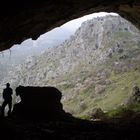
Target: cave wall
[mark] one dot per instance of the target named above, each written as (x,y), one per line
(20,20)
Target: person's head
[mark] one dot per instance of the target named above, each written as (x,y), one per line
(7,85)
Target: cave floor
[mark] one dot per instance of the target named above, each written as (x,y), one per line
(76,129)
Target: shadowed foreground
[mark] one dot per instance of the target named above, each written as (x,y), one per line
(43,123)
(15,129)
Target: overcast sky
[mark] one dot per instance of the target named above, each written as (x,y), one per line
(74,24)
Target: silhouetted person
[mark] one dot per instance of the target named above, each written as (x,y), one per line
(7,96)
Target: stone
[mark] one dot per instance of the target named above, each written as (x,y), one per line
(97,114)
(135,95)
(99,89)
(39,102)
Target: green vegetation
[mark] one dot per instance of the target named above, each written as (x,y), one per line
(111,100)
(124,111)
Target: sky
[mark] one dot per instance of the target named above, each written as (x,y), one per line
(74,24)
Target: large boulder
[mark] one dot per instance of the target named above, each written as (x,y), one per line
(39,102)
(135,96)
(97,114)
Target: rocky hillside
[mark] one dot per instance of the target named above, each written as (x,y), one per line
(95,68)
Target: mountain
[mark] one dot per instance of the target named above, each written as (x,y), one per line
(9,59)
(94,68)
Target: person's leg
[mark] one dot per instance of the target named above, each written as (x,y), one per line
(10,107)
(3,108)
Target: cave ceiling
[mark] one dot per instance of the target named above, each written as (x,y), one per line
(23,19)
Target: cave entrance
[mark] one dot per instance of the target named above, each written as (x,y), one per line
(95,65)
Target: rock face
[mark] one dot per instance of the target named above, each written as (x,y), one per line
(39,102)
(29,19)
(135,96)
(93,44)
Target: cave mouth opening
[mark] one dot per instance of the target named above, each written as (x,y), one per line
(89,75)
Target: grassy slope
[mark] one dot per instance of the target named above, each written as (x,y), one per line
(115,94)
